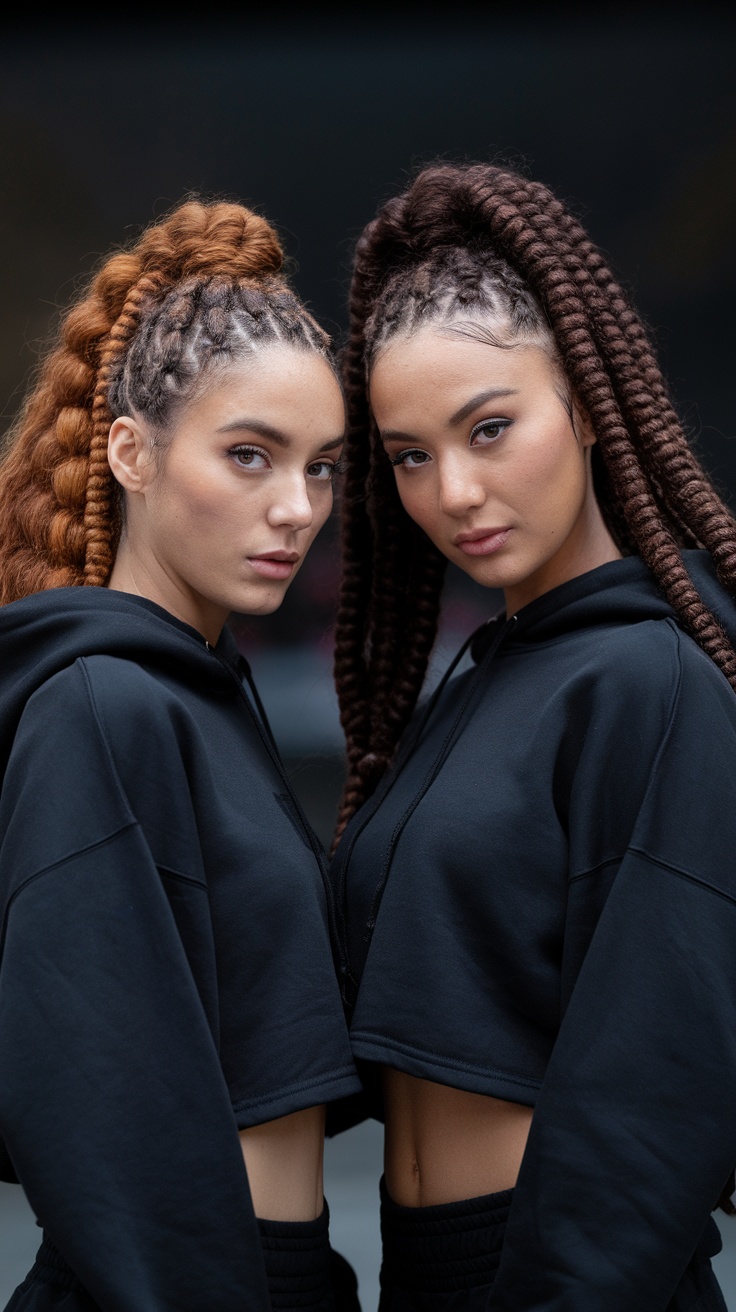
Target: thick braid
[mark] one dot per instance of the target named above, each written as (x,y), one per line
(199,288)
(378,677)
(352,621)
(101,525)
(471,239)
(43,479)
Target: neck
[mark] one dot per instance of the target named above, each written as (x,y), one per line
(144,577)
(588,546)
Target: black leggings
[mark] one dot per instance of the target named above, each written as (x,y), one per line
(444,1259)
(304,1274)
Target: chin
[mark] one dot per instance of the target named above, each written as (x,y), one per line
(259,605)
(485,574)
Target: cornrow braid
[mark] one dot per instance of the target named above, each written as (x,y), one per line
(488,252)
(198,290)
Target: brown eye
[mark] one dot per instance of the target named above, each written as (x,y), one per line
(324,470)
(410,459)
(249,457)
(488,431)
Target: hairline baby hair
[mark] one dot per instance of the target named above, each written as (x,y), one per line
(470,238)
(199,289)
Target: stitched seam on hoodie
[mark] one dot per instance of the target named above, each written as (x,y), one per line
(668,868)
(62,861)
(330,1077)
(103,736)
(675,697)
(594,870)
(168,873)
(375,1039)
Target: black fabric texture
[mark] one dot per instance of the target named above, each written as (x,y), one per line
(443,1249)
(297,1259)
(165,973)
(539,904)
(304,1273)
(445,1259)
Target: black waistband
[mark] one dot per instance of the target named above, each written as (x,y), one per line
(53,1268)
(297,1258)
(441,1249)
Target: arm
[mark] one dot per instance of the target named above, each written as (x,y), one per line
(112,1101)
(634,1132)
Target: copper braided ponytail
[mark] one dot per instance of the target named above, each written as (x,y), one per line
(654,492)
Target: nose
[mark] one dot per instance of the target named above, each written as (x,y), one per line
(291,505)
(459,487)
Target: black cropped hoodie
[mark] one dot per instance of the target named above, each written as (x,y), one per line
(166,974)
(539,904)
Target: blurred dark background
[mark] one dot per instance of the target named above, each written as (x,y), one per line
(315,117)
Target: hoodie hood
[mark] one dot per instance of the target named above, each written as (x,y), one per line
(620,592)
(48,631)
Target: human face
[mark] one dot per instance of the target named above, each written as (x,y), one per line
(489,461)
(222,517)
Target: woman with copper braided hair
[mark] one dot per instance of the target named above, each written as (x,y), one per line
(534,868)
(171,1027)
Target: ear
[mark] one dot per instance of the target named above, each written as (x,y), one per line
(582,425)
(129,454)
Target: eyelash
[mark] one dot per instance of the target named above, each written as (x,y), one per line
(500,424)
(335,466)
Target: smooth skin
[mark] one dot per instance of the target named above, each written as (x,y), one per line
(220,512)
(492,461)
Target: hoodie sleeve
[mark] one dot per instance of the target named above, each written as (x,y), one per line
(634,1132)
(113,1104)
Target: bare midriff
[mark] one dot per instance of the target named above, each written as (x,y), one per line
(283,1159)
(443,1145)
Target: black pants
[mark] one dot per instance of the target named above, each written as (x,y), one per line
(444,1259)
(304,1274)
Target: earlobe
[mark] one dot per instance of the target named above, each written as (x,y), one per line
(582,426)
(128,453)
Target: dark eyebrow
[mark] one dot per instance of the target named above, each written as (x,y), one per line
(273,434)
(492,394)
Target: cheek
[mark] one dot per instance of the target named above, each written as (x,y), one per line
(321,502)
(197,500)
(416,497)
(554,478)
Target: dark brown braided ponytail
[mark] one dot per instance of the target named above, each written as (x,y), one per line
(201,287)
(476,239)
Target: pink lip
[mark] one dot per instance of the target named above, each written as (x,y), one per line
(274,564)
(483,542)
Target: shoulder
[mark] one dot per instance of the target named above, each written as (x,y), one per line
(109,705)
(653,676)
(90,683)
(648,647)
(138,713)
(119,683)
(606,670)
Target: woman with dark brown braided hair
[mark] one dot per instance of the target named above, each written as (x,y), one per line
(169,1012)
(535,871)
